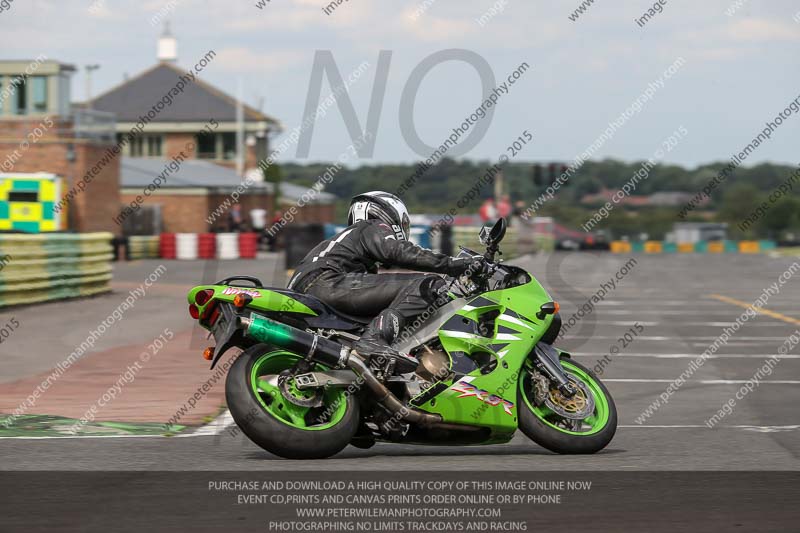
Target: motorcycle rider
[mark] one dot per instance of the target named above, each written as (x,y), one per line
(343,272)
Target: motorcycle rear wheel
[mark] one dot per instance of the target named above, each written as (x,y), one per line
(560,434)
(278,425)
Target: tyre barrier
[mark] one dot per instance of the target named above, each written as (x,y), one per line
(248,245)
(143,247)
(53,266)
(709,247)
(227,246)
(186,246)
(206,246)
(166,247)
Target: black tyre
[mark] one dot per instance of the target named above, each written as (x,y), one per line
(561,434)
(281,427)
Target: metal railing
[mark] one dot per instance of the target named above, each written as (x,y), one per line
(94,125)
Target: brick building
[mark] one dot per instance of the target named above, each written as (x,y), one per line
(194,190)
(204,128)
(200,115)
(196,134)
(41,132)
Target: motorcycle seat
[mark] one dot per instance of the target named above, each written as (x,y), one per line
(327,314)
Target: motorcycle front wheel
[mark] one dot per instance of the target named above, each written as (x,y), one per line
(279,417)
(585,423)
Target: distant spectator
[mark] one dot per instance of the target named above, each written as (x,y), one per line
(504,207)
(519,208)
(235,221)
(258,218)
(488,211)
(517,219)
(274,231)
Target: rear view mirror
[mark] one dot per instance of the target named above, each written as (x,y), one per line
(493,236)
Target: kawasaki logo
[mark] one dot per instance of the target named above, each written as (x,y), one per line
(468,390)
(235,290)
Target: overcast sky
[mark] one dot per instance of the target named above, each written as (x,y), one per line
(740,70)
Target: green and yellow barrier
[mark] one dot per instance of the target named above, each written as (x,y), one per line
(620,247)
(653,247)
(702,247)
(53,266)
(143,247)
(749,247)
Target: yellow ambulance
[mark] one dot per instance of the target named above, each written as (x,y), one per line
(27,201)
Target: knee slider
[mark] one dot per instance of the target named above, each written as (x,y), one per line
(391,322)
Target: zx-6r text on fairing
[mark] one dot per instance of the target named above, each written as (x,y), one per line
(487,367)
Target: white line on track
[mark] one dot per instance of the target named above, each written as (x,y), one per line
(91,437)
(749,344)
(685,324)
(215,427)
(688,355)
(663,338)
(689,338)
(665,312)
(659,303)
(760,429)
(705,381)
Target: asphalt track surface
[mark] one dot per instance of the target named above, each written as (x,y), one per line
(670,296)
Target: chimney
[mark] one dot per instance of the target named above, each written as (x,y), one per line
(167,46)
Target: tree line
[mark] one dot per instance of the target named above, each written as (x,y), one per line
(441,186)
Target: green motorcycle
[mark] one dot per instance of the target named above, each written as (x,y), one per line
(487,367)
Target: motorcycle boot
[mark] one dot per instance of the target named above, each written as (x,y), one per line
(375,344)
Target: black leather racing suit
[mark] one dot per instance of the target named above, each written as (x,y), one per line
(343,272)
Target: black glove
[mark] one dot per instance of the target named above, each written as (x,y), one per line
(473,265)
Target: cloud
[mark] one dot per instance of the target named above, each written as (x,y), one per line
(99,9)
(429,28)
(273,17)
(762,30)
(244,60)
(719,54)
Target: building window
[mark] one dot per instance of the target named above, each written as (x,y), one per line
(206,145)
(20,99)
(39,94)
(145,146)
(154,145)
(228,145)
(216,145)
(136,146)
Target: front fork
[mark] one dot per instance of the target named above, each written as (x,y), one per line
(548,359)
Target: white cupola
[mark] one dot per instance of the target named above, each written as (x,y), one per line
(167,46)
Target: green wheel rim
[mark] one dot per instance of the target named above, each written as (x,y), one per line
(596,421)
(334,401)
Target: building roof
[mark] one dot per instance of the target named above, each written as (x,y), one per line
(670,197)
(199,101)
(40,65)
(139,172)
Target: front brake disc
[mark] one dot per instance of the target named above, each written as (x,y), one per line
(577,407)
